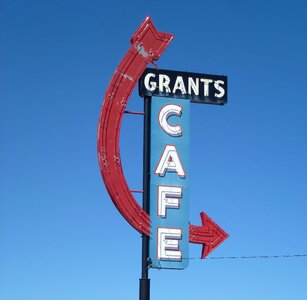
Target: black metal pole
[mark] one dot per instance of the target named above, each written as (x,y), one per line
(144,280)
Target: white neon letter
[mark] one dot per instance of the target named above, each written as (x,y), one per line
(219,88)
(206,86)
(164,81)
(193,86)
(168,244)
(153,85)
(170,161)
(179,85)
(168,197)
(165,113)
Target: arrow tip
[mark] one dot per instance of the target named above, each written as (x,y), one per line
(218,234)
(158,40)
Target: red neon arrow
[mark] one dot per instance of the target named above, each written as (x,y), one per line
(210,235)
(147,45)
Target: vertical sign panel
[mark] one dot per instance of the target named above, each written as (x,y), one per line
(169,183)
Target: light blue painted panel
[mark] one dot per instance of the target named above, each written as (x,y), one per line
(164,244)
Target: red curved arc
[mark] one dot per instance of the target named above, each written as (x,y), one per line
(147,45)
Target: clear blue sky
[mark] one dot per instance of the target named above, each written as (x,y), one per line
(61,236)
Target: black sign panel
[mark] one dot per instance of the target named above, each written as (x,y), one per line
(200,88)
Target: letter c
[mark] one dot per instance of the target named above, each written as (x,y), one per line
(165,113)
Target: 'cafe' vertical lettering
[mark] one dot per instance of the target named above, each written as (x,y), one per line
(169,183)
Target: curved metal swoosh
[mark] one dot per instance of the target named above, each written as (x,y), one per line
(147,45)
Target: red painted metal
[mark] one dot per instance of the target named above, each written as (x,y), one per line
(210,235)
(147,45)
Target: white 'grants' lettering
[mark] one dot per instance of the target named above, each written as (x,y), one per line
(179,85)
(219,88)
(193,85)
(152,85)
(164,81)
(206,86)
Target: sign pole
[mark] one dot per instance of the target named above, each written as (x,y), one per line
(145,281)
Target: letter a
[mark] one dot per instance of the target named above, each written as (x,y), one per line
(170,161)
